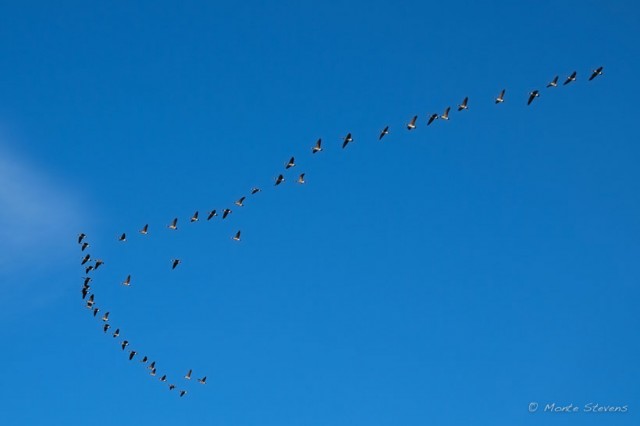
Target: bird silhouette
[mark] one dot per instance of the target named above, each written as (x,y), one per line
(317,147)
(554,82)
(463,105)
(412,124)
(212,214)
(532,96)
(571,78)
(347,140)
(145,229)
(595,73)
(500,98)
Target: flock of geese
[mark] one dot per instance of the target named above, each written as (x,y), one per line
(92,265)
(90,304)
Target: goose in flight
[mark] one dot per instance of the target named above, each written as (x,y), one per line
(532,96)
(98,263)
(174,224)
(86,281)
(85,259)
(183,393)
(240,202)
(225,213)
(132,354)
(279,180)
(172,387)
(237,236)
(301,178)
(84,246)
(105,328)
(188,375)
(445,115)
(291,163)
(175,263)
(85,291)
(500,98)
(163,378)
(554,82)
(105,317)
(152,366)
(122,237)
(212,213)
(88,269)
(571,78)
(81,237)
(116,333)
(194,218)
(144,359)
(125,344)
(317,147)
(153,372)
(463,105)
(127,281)
(90,302)
(203,380)
(384,133)
(596,72)
(145,229)
(432,118)
(412,124)
(95,311)
(255,190)
(347,140)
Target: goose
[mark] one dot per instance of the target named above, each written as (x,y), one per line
(212,213)
(88,269)
(81,237)
(347,140)
(132,354)
(174,263)
(412,124)
(105,317)
(203,380)
(87,280)
(152,366)
(554,82)
(188,375)
(596,72)
(317,147)
(144,359)
(127,281)
(95,311)
(163,378)
(153,372)
(122,237)
(183,393)
(85,259)
(255,190)
(500,98)
(240,202)
(194,218)
(90,302)
(445,116)
(532,96)
(237,236)
(571,78)
(463,105)
(116,333)
(99,262)
(85,291)
(279,180)
(172,387)
(105,328)
(301,179)
(226,212)
(84,246)
(384,133)
(291,163)
(174,224)
(125,344)
(145,229)
(432,118)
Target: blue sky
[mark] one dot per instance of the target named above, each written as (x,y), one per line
(448,275)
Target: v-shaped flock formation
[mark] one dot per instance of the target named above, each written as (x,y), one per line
(90,268)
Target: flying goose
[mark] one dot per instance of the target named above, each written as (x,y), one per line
(132,354)
(279,180)
(85,291)
(95,311)
(347,140)
(596,72)
(291,163)
(145,229)
(500,98)
(85,259)
(317,147)
(240,202)
(174,263)
(183,393)
(174,224)
(84,246)
(412,124)
(194,218)
(116,333)
(188,375)
(212,214)
(125,344)
(98,263)
(144,359)
(432,118)
(172,387)
(105,328)
(153,372)
(86,281)
(88,269)
(122,237)
(226,212)
(203,380)
(90,302)
(81,237)
(127,281)
(301,178)
(383,133)
(445,116)
(237,236)
(554,82)
(571,78)
(255,190)
(163,378)
(532,96)
(152,366)
(463,105)
(105,317)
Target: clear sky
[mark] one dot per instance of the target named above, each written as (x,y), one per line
(450,275)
